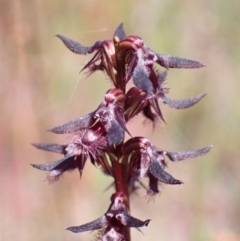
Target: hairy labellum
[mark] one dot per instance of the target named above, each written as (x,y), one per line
(57,168)
(89,143)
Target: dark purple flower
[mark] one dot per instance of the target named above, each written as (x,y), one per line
(146,160)
(104,58)
(114,221)
(138,100)
(110,113)
(139,61)
(127,57)
(86,144)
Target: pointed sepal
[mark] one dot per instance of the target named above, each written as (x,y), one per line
(51,147)
(119,32)
(169,61)
(78,48)
(59,164)
(182,103)
(94,225)
(156,170)
(183,155)
(75,125)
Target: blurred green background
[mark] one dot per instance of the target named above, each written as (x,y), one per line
(40,87)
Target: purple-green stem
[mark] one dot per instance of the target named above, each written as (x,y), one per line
(121,185)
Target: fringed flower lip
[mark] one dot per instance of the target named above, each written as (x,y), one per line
(86,144)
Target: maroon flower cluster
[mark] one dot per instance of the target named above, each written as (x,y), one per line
(99,136)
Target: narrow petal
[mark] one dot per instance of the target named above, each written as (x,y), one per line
(77,48)
(59,164)
(96,224)
(168,61)
(182,103)
(91,65)
(156,170)
(75,125)
(183,155)
(119,32)
(51,147)
(80,162)
(74,46)
(129,221)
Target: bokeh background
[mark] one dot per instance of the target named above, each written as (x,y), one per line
(40,87)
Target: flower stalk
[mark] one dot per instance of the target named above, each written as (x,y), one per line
(99,136)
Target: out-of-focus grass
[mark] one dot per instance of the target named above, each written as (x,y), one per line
(38,91)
